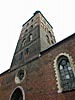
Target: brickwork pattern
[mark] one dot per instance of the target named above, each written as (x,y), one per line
(40,80)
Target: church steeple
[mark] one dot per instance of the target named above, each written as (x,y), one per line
(36,36)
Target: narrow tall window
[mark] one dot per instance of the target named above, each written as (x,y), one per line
(30,37)
(27,51)
(52,41)
(31,27)
(66,74)
(50,33)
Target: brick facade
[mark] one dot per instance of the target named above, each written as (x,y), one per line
(40,81)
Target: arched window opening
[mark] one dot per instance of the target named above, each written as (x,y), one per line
(48,40)
(30,37)
(31,27)
(26,30)
(27,51)
(52,41)
(32,20)
(50,33)
(17,95)
(66,74)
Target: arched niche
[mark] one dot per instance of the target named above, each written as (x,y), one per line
(17,94)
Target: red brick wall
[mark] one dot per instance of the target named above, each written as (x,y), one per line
(40,82)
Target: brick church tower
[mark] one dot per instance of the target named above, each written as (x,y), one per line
(41,69)
(36,36)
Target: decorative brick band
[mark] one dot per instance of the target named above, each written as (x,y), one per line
(57,75)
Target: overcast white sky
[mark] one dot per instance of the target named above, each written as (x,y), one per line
(14,13)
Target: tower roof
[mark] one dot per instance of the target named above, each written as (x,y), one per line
(34,14)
